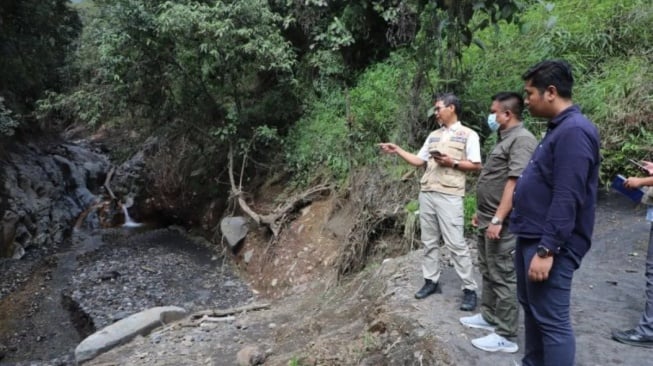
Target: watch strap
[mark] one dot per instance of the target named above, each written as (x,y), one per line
(544,252)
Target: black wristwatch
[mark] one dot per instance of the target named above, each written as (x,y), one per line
(455,164)
(544,252)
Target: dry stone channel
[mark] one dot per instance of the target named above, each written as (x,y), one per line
(60,285)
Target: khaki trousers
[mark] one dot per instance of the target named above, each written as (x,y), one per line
(441,216)
(499,289)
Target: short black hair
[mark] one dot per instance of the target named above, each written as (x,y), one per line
(551,72)
(450,99)
(511,101)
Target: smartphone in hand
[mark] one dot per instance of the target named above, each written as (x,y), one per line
(435,153)
(639,165)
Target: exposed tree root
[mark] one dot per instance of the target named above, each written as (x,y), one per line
(379,211)
(275,220)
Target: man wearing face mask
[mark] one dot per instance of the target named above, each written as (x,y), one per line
(496,245)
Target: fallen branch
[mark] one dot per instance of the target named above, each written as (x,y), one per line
(276,219)
(231,311)
(215,316)
(106,183)
(212,319)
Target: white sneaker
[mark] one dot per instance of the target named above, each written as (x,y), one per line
(476,321)
(495,343)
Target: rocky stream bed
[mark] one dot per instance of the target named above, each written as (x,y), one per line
(51,301)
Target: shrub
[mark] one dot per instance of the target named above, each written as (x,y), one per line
(609,45)
(342,128)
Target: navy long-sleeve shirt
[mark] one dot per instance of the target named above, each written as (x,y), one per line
(555,197)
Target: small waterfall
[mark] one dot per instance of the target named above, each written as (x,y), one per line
(128,220)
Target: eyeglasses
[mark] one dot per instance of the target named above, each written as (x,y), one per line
(437,108)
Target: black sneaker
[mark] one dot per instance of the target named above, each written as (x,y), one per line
(429,288)
(633,338)
(469,300)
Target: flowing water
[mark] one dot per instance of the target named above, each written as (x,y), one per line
(128,220)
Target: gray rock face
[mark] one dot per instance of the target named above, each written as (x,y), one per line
(44,189)
(128,180)
(124,330)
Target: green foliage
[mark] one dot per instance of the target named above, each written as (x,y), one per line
(469,205)
(635,145)
(378,105)
(610,46)
(232,72)
(412,206)
(447,28)
(295,361)
(319,141)
(343,128)
(35,37)
(626,83)
(202,63)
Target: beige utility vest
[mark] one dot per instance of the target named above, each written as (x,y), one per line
(444,179)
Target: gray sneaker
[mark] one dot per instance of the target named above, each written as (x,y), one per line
(476,321)
(495,343)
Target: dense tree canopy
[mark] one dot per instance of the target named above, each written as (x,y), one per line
(314,83)
(228,59)
(35,37)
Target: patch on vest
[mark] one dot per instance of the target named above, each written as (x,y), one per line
(433,139)
(458,138)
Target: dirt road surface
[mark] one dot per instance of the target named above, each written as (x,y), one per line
(608,292)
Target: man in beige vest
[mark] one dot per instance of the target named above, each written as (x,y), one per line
(448,153)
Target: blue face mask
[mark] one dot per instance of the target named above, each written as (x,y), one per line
(492,122)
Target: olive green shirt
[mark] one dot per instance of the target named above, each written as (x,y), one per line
(508,159)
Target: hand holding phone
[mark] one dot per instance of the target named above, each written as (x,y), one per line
(643,168)
(435,153)
(648,166)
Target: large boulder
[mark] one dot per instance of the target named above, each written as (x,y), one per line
(124,330)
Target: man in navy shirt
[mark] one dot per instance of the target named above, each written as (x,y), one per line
(553,214)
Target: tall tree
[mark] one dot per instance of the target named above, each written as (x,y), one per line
(35,37)
(203,65)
